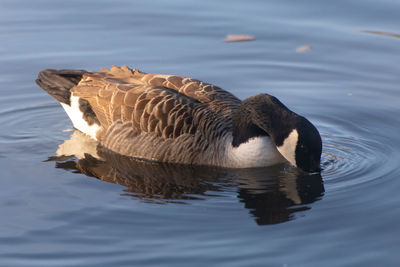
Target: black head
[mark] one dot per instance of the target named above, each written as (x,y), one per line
(294,136)
(309,147)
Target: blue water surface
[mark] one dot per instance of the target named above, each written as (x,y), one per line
(73,210)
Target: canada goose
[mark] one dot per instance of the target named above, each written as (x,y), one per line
(177,119)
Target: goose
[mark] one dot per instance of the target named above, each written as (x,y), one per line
(176,119)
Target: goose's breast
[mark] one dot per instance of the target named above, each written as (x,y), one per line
(256,152)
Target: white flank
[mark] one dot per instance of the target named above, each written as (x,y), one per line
(76,116)
(256,152)
(288,149)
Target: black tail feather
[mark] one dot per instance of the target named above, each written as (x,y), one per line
(59,82)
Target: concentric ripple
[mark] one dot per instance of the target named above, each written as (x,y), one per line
(32,123)
(351,160)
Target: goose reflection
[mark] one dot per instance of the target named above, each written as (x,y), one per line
(272,195)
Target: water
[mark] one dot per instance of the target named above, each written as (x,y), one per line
(54,212)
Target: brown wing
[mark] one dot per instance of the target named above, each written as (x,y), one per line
(141,115)
(214,97)
(149,109)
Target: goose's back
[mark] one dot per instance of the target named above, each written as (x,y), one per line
(159,117)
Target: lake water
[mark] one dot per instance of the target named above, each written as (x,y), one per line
(57,209)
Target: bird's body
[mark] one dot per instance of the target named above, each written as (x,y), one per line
(172,118)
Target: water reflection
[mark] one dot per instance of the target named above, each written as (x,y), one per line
(272,195)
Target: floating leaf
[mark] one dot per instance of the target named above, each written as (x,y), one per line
(238,38)
(303,48)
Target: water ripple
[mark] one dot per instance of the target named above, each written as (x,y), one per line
(349,161)
(31,123)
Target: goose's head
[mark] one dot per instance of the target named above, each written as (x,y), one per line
(294,136)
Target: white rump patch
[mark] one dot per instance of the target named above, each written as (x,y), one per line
(76,116)
(288,149)
(256,152)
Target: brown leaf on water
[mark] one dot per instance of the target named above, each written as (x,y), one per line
(396,35)
(68,130)
(303,48)
(238,38)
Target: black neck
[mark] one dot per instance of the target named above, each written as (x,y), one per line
(262,115)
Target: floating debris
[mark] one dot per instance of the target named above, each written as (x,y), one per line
(303,48)
(238,38)
(382,33)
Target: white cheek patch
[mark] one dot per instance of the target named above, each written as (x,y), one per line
(76,116)
(288,148)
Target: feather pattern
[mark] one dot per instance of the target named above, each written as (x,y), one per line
(160,117)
